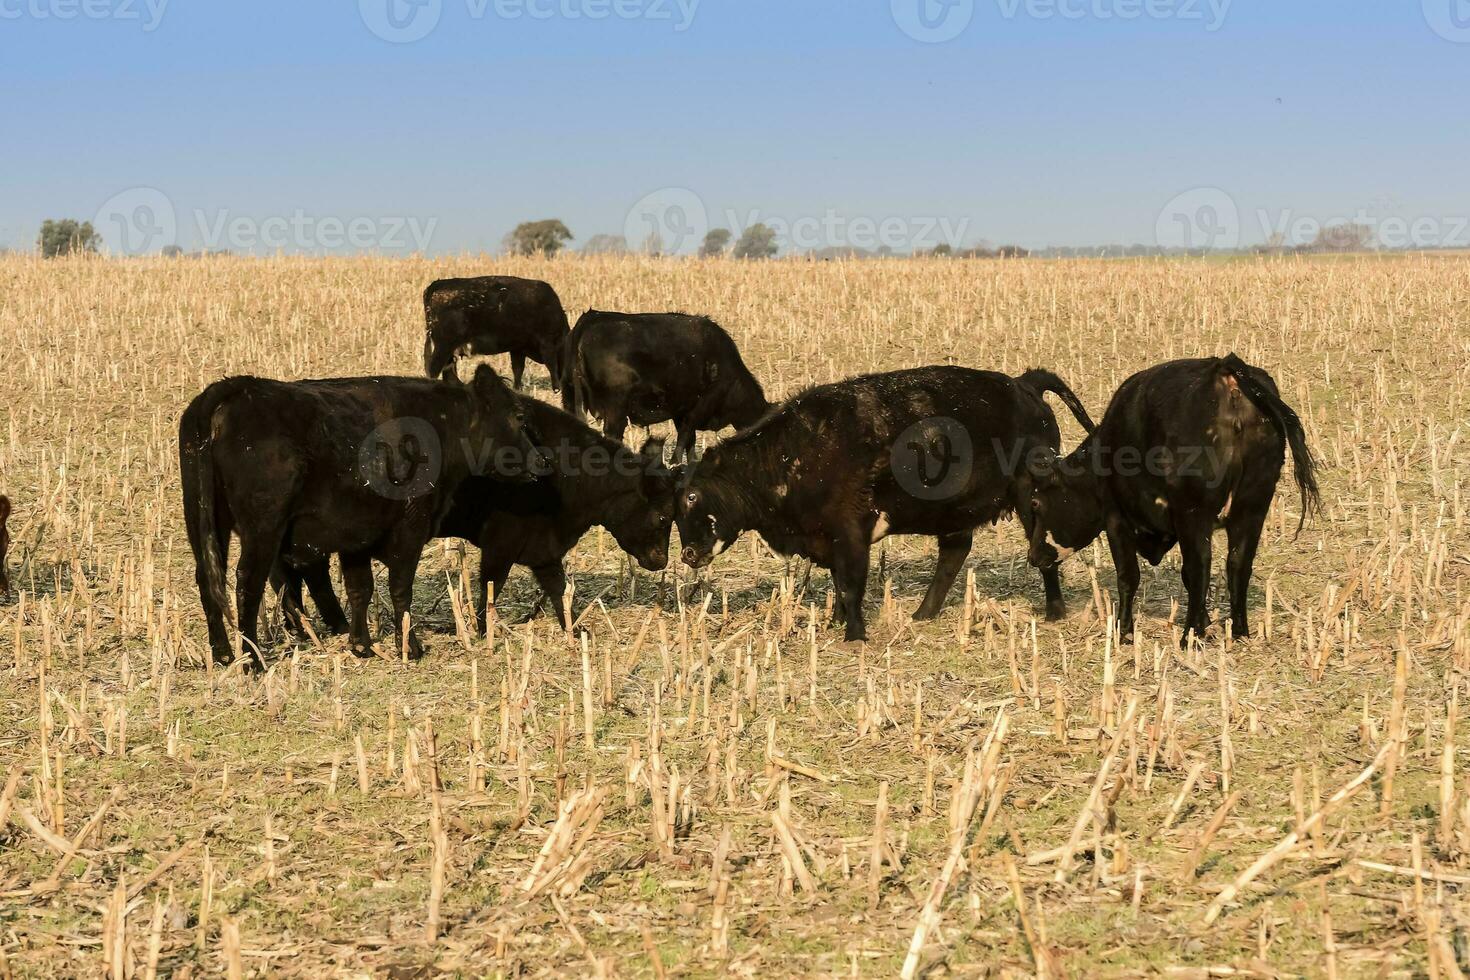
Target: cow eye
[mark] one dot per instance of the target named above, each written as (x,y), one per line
(692,498)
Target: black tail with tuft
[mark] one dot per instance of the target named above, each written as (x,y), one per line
(1289,424)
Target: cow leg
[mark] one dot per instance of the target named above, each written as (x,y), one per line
(615,425)
(517,369)
(1194,548)
(684,447)
(553,582)
(1124,546)
(258,550)
(1243,532)
(401,573)
(357,577)
(850,576)
(221,649)
(953,550)
(287,583)
(318,580)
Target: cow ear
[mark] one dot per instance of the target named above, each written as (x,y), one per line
(490,388)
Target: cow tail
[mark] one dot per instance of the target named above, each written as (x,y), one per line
(1039,381)
(1289,424)
(197,452)
(574,374)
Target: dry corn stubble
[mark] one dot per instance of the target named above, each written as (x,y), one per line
(437,825)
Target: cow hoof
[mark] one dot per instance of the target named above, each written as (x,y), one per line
(364,651)
(923,614)
(1056,611)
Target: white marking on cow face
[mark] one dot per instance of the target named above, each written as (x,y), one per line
(880,529)
(719,547)
(1161,503)
(1062,553)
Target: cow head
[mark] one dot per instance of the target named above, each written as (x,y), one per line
(707,525)
(1062,506)
(641,526)
(500,421)
(4,543)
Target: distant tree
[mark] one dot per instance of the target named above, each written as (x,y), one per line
(1012,252)
(605,245)
(942,251)
(756,242)
(172,252)
(66,236)
(545,237)
(1343,238)
(715,243)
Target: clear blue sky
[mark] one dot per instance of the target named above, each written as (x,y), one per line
(1040,122)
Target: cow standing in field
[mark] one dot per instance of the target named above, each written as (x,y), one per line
(647,368)
(4,543)
(363,467)
(1184,448)
(591,480)
(494,315)
(837,468)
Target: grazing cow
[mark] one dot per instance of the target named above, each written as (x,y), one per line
(4,543)
(494,315)
(1184,448)
(591,480)
(932,450)
(364,467)
(654,367)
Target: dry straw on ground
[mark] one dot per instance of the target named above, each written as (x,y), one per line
(718,787)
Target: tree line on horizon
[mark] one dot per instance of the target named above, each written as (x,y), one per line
(550,236)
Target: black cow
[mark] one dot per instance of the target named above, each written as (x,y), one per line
(1184,448)
(494,315)
(653,367)
(933,450)
(4,543)
(591,480)
(364,467)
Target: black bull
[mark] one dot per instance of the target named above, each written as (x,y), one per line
(936,451)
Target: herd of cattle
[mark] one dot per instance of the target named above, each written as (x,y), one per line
(375,467)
